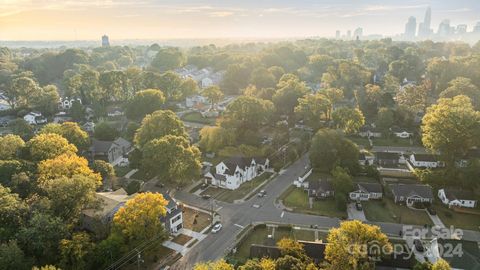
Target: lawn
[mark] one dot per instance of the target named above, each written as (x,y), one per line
(139,175)
(203,220)
(259,236)
(460,220)
(197,117)
(232,195)
(152,258)
(393,142)
(121,171)
(387,211)
(359,140)
(297,199)
(181,239)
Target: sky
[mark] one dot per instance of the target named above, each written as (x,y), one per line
(186,19)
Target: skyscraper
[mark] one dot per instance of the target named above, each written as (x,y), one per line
(461,29)
(337,34)
(358,33)
(410,28)
(424,29)
(444,28)
(105,41)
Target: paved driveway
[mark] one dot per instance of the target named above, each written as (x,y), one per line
(353,213)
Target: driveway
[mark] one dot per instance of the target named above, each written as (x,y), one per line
(353,213)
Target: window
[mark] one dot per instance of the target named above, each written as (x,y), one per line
(176,218)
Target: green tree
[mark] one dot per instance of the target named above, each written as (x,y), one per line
(12,213)
(413,97)
(348,119)
(12,257)
(311,108)
(171,158)
(217,265)
(75,252)
(46,100)
(290,89)
(145,102)
(451,127)
(159,124)
(441,264)
(335,95)
(70,131)
(77,111)
(262,78)
(385,118)
(319,64)
(329,148)
(10,146)
(349,246)
(167,59)
(342,181)
(213,139)
(188,87)
(49,145)
(104,132)
(462,86)
(213,94)
(104,168)
(21,128)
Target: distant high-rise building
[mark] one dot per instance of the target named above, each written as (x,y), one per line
(105,41)
(461,29)
(349,34)
(411,28)
(424,29)
(444,28)
(337,34)
(476,29)
(357,34)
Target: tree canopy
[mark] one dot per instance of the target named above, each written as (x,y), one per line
(159,124)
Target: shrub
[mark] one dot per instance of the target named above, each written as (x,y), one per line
(341,201)
(132,187)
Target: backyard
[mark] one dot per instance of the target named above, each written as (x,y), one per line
(387,211)
(197,117)
(394,142)
(297,199)
(456,219)
(232,195)
(203,219)
(181,239)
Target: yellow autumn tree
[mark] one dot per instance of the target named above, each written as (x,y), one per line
(139,218)
(49,145)
(354,245)
(217,265)
(66,165)
(10,146)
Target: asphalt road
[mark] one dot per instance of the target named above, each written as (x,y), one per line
(235,217)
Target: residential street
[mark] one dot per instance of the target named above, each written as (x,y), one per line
(236,216)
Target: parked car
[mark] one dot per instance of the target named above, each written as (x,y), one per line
(262,193)
(418,245)
(358,206)
(206,196)
(431,211)
(256,206)
(204,186)
(216,228)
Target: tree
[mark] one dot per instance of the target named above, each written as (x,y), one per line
(12,257)
(171,158)
(330,149)
(21,128)
(217,265)
(342,181)
(145,102)
(139,219)
(10,145)
(41,238)
(319,65)
(290,247)
(104,132)
(462,86)
(21,91)
(236,77)
(262,78)
(354,245)
(104,168)
(289,263)
(451,127)
(385,118)
(213,139)
(311,108)
(290,89)
(441,264)
(50,145)
(70,195)
(188,87)
(335,95)
(46,100)
(414,97)
(70,131)
(246,113)
(12,213)
(157,125)
(75,252)
(167,59)
(348,119)
(213,94)
(66,165)
(263,93)
(77,111)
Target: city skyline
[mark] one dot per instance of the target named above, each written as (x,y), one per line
(151,19)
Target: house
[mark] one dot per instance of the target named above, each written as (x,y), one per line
(234,171)
(387,159)
(110,150)
(411,193)
(67,103)
(35,118)
(457,197)
(401,133)
(320,189)
(99,219)
(195,101)
(173,220)
(368,131)
(366,191)
(89,126)
(114,112)
(425,161)
(365,160)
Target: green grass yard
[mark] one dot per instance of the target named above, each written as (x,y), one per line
(297,199)
(197,117)
(393,142)
(456,219)
(121,171)
(387,211)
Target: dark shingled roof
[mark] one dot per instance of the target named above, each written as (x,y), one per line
(260,160)
(370,187)
(407,190)
(100,146)
(321,185)
(425,157)
(241,162)
(361,156)
(460,194)
(387,155)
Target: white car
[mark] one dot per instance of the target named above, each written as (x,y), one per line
(256,206)
(217,228)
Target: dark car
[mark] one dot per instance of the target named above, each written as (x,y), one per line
(358,206)
(206,196)
(418,245)
(204,186)
(431,211)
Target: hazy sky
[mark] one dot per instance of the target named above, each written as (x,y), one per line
(162,19)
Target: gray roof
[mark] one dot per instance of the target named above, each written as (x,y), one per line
(122,142)
(233,162)
(408,190)
(100,146)
(320,185)
(171,203)
(387,156)
(425,157)
(370,187)
(460,194)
